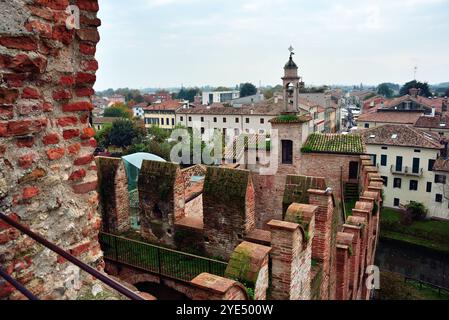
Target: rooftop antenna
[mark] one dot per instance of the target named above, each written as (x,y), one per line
(415,71)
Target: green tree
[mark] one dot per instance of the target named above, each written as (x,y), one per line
(188,94)
(158,134)
(102,136)
(118,111)
(247,89)
(124,133)
(424,86)
(385,90)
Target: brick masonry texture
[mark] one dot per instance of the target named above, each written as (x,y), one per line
(38,182)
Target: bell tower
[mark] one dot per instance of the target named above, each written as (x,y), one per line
(292,84)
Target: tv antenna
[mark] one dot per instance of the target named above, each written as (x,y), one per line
(415,70)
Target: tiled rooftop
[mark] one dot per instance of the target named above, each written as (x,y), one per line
(401,135)
(334,143)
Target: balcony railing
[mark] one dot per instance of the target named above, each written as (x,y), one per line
(406,171)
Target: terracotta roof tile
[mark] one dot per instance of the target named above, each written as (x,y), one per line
(401,135)
(402,117)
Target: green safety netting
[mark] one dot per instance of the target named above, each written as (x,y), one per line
(133,163)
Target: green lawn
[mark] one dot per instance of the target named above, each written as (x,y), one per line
(394,287)
(430,234)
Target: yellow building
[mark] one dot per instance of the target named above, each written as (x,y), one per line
(162,115)
(406,158)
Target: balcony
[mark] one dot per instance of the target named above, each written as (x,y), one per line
(406,171)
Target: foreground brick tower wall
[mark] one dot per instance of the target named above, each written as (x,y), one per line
(48,178)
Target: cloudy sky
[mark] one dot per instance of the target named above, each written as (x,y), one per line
(165,43)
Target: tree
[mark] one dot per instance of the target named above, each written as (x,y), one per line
(102,136)
(247,89)
(124,133)
(414,211)
(158,134)
(188,94)
(118,111)
(385,90)
(425,90)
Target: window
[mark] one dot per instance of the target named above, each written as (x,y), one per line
(440,179)
(215,119)
(202,130)
(383,160)
(384,148)
(287,152)
(237,120)
(397,202)
(399,164)
(181,118)
(262,121)
(190,118)
(439,198)
(385,181)
(417,151)
(415,165)
(202,119)
(247,120)
(397,183)
(413,185)
(429,187)
(162,121)
(224,120)
(366,125)
(173,121)
(374,159)
(431,164)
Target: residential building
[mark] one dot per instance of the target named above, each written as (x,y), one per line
(158,97)
(386,116)
(239,102)
(405,157)
(439,124)
(439,205)
(163,114)
(116,99)
(138,110)
(99,123)
(219,96)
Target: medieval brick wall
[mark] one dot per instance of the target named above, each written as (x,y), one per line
(114,195)
(329,166)
(161,200)
(225,211)
(47,176)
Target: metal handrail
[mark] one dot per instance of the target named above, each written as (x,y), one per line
(17,285)
(158,260)
(93,272)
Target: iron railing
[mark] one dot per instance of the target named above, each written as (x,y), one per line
(158,260)
(93,272)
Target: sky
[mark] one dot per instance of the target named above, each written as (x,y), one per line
(169,43)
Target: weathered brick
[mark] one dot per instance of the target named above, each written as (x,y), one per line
(85,78)
(8,96)
(20,42)
(50,139)
(62,95)
(89,65)
(88,5)
(84,92)
(67,121)
(25,142)
(55,154)
(88,133)
(70,134)
(30,192)
(87,49)
(81,161)
(74,149)
(85,187)
(78,175)
(77,106)
(30,93)
(6,112)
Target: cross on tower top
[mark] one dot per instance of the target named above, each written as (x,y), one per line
(291,50)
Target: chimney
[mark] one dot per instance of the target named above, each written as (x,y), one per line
(433,112)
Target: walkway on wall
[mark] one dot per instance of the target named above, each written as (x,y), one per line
(158,260)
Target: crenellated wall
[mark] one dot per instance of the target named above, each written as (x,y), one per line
(48,179)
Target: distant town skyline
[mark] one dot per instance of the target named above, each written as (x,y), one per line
(169,43)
